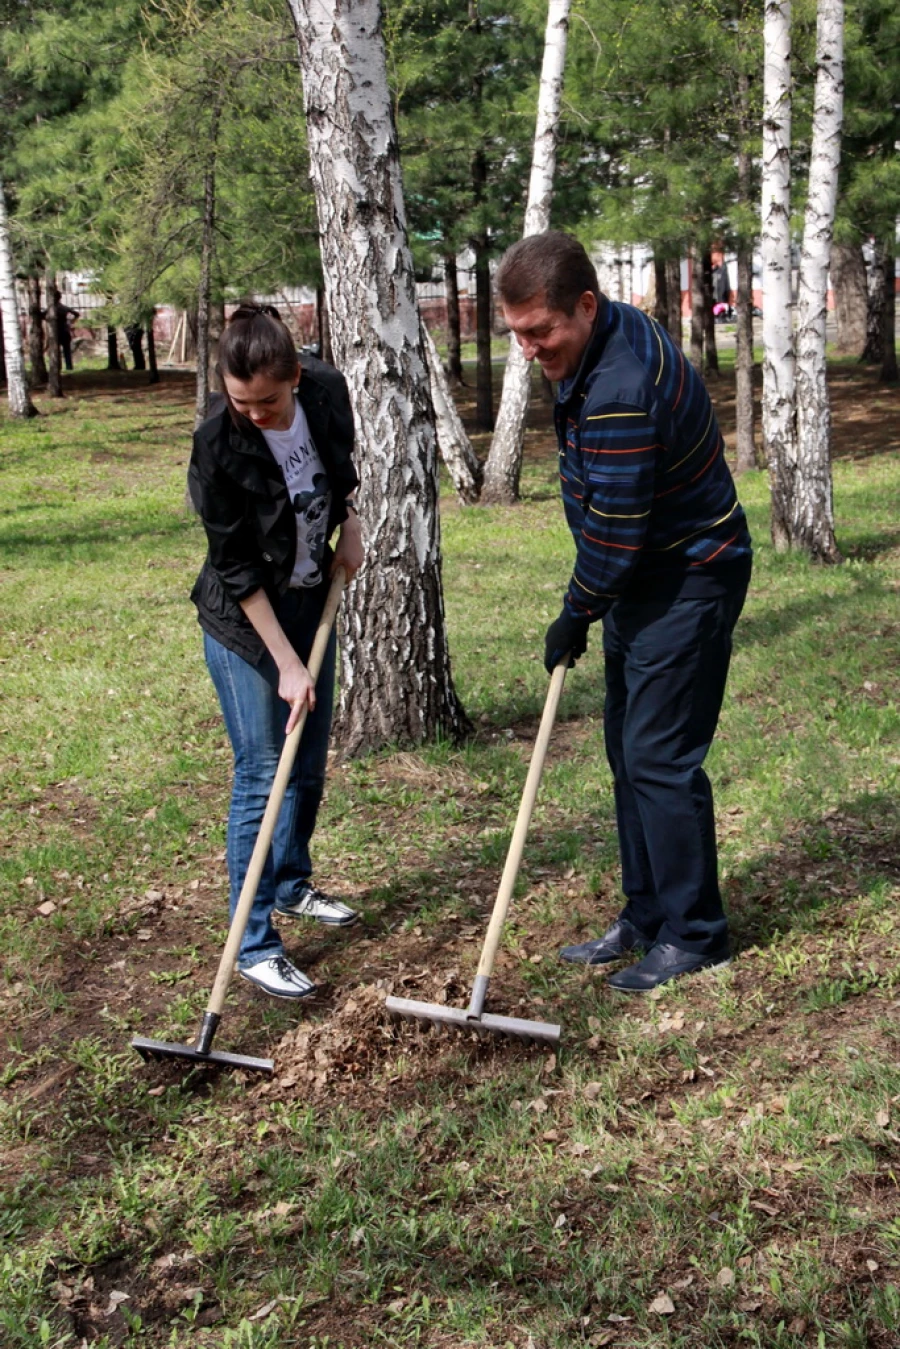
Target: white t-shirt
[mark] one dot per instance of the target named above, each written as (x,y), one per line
(307,485)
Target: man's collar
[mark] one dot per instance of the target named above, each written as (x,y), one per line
(593,350)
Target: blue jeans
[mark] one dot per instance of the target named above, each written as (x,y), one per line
(255,719)
(666,666)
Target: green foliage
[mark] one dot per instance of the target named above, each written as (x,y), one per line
(465,90)
(117,113)
(870,175)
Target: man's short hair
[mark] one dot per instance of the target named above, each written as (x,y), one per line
(553,264)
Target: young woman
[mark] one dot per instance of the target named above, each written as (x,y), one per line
(272,477)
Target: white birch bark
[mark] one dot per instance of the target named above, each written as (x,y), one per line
(455,447)
(778,408)
(812,515)
(20,405)
(504,462)
(396,684)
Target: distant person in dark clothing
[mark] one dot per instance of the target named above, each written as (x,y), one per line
(64,318)
(721,283)
(663,561)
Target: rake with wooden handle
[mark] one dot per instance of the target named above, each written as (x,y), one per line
(474,1017)
(202,1053)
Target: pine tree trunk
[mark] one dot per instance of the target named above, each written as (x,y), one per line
(848,282)
(324,326)
(454,326)
(134,336)
(216,329)
(20,405)
(503,468)
(812,518)
(747,454)
(889,314)
(697,328)
(711,351)
(201,409)
(673,295)
(36,333)
(397,686)
(628,277)
(151,350)
(454,445)
(778,406)
(660,293)
(112,349)
(54,363)
(484,388)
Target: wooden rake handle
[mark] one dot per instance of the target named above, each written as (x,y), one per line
(523,820)
(273,808)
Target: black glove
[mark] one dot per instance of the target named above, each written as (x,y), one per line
(566,634)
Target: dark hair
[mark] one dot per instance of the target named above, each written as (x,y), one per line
(553,265)
(256,341)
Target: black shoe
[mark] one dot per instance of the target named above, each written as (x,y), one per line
(622,939)
(663,963)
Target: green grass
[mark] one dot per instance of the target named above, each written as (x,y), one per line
(730,1145)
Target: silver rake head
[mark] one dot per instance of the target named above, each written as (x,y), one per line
(457,1018)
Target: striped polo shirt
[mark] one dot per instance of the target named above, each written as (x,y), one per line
(648,495)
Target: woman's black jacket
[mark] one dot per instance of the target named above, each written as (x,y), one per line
(240,495)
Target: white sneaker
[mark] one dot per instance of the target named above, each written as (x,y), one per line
(279,977)
(316,904)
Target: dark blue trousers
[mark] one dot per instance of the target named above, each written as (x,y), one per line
(666,666)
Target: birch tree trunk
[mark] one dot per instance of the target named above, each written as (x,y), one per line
(396,685)
(874,349)
(503,468)
(20,405)
(812,516)
(778,419)
(455,447)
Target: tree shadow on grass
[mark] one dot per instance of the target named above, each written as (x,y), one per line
(820,868)
(110,532)
(867,547)
(763,625)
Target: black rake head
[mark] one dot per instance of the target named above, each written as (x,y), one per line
(154,1050)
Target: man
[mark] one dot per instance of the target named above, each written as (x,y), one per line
(663,558)
(65,316)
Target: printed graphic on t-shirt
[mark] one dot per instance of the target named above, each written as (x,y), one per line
(307,486)
(311,508)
